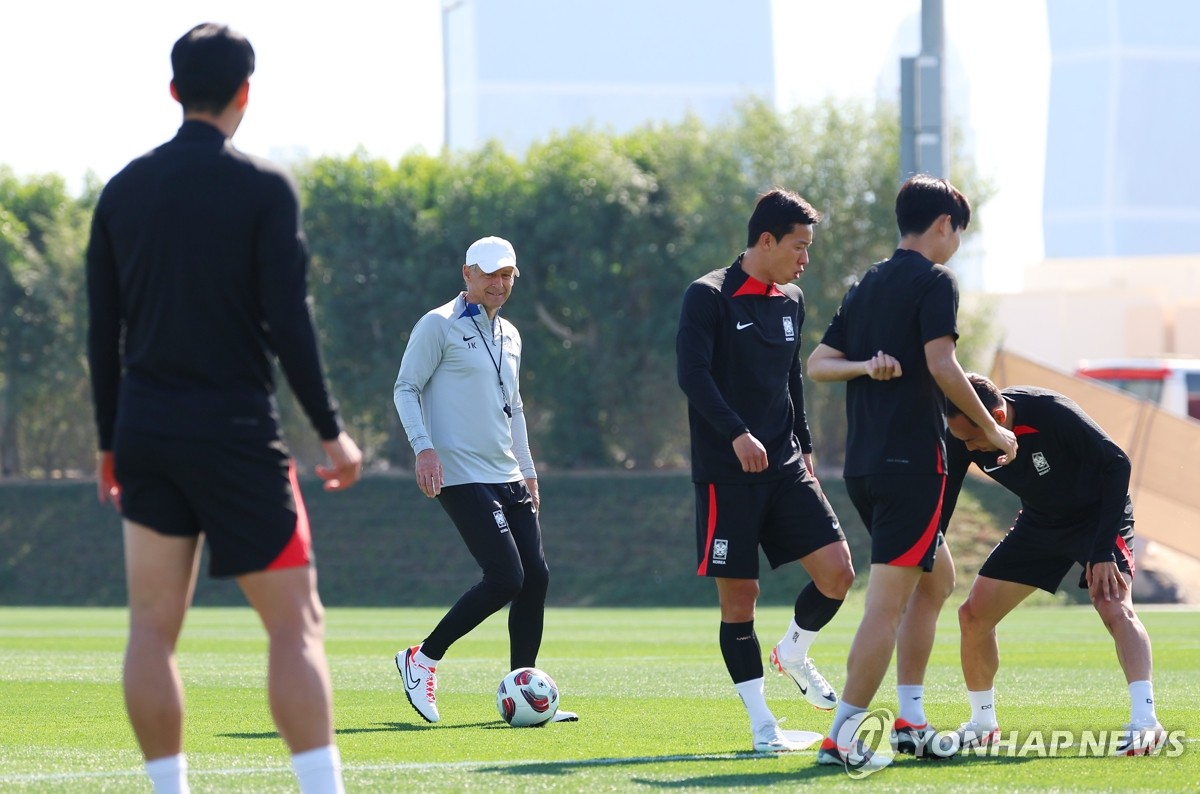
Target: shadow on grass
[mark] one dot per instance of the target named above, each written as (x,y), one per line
(379,727)
(764,774)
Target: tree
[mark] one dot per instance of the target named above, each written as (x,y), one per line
(44,399)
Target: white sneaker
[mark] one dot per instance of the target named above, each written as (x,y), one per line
(1144,738)
(856,758)
(813,686)
(564,716)
(768,738)
(971,734)
(420,684)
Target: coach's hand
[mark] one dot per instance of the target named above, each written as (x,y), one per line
(345,463)
(107,487)
(750,452)
(429,473)
(532,484)
(1105,581)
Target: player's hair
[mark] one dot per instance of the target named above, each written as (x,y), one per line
(923,199)
(988,393)
(210,62)
(777,211)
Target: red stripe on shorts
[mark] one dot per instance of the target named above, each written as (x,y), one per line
(1125,552)
(915,554)
(712,529)
(298,551)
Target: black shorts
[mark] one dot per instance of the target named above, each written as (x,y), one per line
(498,524)
(901,513)
(241,494)
(790,518)
(1040,556)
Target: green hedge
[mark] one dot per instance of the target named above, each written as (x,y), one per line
(612,539)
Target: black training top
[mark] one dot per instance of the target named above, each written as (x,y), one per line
(196,274)
(1068,471)
(738,350)
(896,426)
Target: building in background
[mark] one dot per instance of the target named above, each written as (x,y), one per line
(1121,164)
(520,70)
(1122,204)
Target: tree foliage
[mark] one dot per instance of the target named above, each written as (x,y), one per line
(609,230)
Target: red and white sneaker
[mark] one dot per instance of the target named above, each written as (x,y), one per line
(420,684)
(856,758)
(971,734)
(813,686)
(1140,739)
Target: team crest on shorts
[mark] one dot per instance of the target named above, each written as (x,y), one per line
(501,522)
(720,551)
(1040,463)
(789,329)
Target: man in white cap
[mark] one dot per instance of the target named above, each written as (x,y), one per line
(459,398)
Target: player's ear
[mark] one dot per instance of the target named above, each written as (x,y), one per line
(999,414)
(175,93)
(243,94)
(766,239)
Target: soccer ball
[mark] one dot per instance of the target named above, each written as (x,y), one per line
(527,697)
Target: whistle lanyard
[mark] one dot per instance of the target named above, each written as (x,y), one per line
(487,343)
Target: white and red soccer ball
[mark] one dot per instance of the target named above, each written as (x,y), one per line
(527,697)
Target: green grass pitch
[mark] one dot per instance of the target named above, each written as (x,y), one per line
(657,709)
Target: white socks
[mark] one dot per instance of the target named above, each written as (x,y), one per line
(846,721)
(319,771)
(169,775)
(983,708)
(420,658)
(795,644)
(1141,700)
(912,703)
(751,693)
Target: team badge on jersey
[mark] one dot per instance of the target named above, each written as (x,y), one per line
(501,522)
(1040,463)
(789,329)
(720,551)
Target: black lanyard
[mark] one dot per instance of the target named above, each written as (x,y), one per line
(487,342)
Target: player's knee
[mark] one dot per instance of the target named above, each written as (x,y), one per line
(968,618)
(1113,613)
(536,580)
(836,584)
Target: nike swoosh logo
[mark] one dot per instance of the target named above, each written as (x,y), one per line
(409,681)
(994,468)
(468,338)
(740,326)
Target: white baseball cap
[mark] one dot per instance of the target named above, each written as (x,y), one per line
(490,254)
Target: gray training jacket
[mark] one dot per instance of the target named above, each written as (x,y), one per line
(449,397)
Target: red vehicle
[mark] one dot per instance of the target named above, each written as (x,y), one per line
(1171,383)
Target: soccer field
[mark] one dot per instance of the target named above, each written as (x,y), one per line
(657,709)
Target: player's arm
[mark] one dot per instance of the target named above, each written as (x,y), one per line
(104,351)
(944,367)
(957,464)
(695,344)
(828,364)
(1086,441)
(282,259)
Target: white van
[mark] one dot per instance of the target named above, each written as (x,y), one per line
(1172,383)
